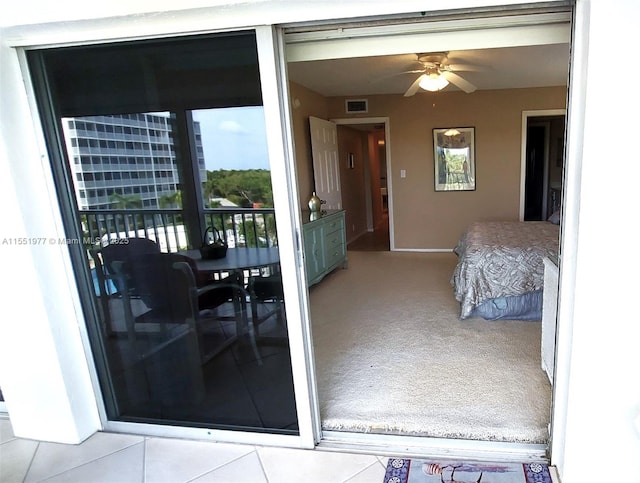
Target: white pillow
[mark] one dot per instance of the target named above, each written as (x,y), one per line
(554,218)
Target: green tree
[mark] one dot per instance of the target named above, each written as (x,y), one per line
(124,202)
(173,200)
(242,187)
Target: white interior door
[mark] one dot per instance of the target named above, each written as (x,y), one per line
(326,167)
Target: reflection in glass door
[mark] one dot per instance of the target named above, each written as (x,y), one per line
(171,208)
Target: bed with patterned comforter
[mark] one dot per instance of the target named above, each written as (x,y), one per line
(500,272)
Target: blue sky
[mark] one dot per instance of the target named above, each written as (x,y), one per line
(233,138)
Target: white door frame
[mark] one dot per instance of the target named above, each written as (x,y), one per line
(278,124)
(123,28)
(526,116)
(387,143)
(340,48)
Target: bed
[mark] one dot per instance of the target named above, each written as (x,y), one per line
(500,270)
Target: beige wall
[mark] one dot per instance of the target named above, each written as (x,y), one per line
(305,103)
(423,218)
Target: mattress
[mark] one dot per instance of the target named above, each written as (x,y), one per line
(499,260)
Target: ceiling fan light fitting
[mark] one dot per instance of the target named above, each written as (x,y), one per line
(433,82)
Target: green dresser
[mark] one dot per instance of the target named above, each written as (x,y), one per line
(325,246)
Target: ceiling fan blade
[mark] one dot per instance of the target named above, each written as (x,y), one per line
(414,87)
(465,68)
(458,81)
(396,74)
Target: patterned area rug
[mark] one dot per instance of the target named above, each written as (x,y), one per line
(430,471)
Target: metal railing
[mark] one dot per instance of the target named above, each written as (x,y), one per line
(244,227)
(239,227)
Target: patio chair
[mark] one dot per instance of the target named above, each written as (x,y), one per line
(109,284)
(267,300)
(166,284)
(123,251)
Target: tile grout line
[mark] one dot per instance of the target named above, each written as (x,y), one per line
(222,465)
(362,471)
(144,460)
(89,462)
(264,472)
(33,457)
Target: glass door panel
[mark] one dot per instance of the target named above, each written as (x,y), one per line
(153,168)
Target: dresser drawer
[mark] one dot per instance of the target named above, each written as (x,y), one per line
(334,239)
(334,255)
(324,244)
(333,225)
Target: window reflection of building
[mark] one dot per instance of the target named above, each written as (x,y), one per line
(126,160)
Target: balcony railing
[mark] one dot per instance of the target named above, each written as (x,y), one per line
(239,227)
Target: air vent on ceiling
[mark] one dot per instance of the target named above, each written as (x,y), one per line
(357,105)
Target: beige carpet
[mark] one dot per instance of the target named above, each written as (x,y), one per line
(393,357)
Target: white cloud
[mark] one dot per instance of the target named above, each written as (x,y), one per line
(232,126)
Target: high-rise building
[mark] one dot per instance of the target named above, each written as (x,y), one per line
(126,160)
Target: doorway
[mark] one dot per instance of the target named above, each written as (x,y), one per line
(370,191)
(351,172)
(542,165)
(412,145)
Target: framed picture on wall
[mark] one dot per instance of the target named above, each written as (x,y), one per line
(454,159)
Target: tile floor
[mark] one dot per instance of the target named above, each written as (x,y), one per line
(121,458)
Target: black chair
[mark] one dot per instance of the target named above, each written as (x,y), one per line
(110,283)
(161,356)
(267,300)
(123,251)
(166,284)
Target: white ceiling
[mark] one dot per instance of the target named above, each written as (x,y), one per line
(500,68)
(511,50)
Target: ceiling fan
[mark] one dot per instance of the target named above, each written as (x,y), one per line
(437,73)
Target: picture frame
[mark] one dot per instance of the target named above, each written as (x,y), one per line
(454,159)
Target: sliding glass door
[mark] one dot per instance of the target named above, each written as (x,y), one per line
(159,154)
